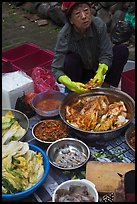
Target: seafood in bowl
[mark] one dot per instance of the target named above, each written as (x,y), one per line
(68,153)
(75,191)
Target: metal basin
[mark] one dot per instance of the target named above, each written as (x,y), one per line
(130,136)
(68,153)
(113,95)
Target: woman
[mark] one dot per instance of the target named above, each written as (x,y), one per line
(84,52)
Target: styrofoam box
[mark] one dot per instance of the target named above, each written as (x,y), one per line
(14,85)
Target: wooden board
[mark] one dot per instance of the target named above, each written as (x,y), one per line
(104,174)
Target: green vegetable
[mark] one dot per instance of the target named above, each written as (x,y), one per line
(6,125)
(15,172)
(8,186)
(15,160)
(15,181)
(74,177)
(21,167)
(101,154)
(83,173)
(7,120)
(14,131)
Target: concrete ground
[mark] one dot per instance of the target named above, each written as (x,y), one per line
(18,29)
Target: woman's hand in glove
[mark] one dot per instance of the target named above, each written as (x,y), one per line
(101,71)
(71,85)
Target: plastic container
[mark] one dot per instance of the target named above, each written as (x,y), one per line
(91,188)
(9,56)
(19,83)
(27,63)
(51,101)
(129,65)
(6,66)
(31,190)
(128,82)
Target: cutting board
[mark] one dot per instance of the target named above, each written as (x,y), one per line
(104,174)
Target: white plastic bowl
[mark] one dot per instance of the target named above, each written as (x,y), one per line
(79,182)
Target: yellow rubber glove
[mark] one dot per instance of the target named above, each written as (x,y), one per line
(101,71)
(71,85)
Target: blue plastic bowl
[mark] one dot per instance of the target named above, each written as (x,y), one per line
(24,194)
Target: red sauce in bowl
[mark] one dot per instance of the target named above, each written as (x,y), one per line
(50,130)
(48,104)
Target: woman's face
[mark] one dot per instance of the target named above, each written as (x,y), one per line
(81,17)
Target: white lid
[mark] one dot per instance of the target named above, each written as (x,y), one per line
(14,80)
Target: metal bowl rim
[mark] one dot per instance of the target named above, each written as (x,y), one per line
(46,142)
(132,127)
(69,139)
(30,190)
(21,113)
(100,90)
(81,182)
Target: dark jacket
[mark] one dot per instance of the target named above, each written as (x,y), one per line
(94,46)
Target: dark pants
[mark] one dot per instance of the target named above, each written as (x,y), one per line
(74,67)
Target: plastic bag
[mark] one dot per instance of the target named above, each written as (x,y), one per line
(43,80)
(121,32)
(24,107)
(130,17)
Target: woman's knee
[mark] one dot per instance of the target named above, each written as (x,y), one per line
(72,58)
(73,66)
(121,51)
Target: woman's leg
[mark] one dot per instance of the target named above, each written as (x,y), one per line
(74,68)
(120,57)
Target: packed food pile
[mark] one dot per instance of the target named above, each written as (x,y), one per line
(21,167)
(96,113)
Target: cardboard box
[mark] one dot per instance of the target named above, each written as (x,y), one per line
(128,82)
(14,85)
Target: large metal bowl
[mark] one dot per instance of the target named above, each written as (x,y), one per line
(113,94)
